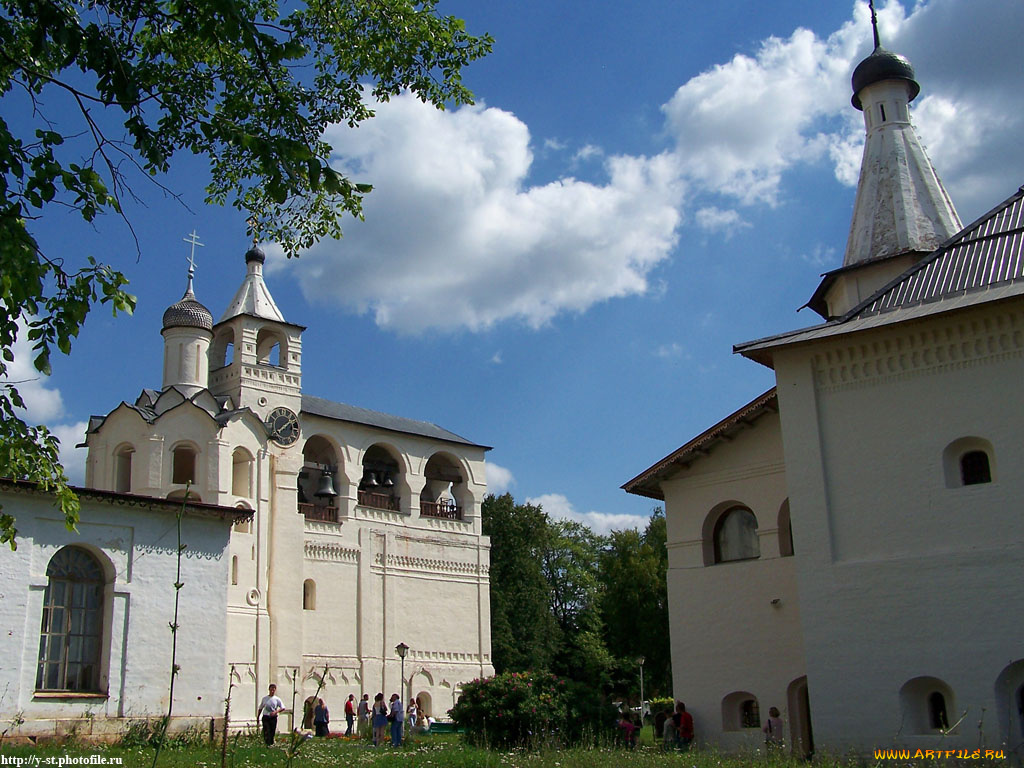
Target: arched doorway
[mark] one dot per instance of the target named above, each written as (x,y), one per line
(801,736)
(423,705)
(1010,707)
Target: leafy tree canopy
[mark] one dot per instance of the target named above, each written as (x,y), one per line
(106,88)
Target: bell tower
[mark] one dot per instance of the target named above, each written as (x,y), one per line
(256,355)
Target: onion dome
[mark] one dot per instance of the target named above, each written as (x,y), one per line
(188,313)
(255,254)
(883,65)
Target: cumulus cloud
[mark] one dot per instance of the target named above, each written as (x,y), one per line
(739,126)
(499,479)
(457,237)
(558,507)
(45,405)
(715,219)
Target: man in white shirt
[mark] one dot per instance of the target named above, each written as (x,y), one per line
(270,707)
(397,718)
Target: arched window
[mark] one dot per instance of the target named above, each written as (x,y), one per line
(309,595)
(183,465)
(234,569)
(270,348)
(241,473)
(70,636)
(969,461)
(382,484)
(735,536)
(926,702)
(222,351)
(750,716)
(937,718)
(974,468)
(740,710)
(123,469)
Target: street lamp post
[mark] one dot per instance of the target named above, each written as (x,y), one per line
(401,649)
(641,661)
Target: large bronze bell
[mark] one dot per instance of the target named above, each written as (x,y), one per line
(326,489)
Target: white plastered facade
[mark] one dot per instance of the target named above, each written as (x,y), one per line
(895,624)
(134,541)
(312,586)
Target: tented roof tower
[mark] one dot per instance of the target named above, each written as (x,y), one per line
(902,211)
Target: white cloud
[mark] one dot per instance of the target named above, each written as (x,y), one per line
(740,125)
(558,507)
(455,237)
(715,219)
(588,152)
(499,479)
(496,358)
(44,405)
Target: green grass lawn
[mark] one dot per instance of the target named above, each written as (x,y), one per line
(438,751)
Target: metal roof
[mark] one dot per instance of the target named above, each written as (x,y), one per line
(647,483)
(985,254)
(983,262)
(318,406)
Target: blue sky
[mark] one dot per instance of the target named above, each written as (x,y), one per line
(561,270)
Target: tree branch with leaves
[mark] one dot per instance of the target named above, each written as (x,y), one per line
(109,88)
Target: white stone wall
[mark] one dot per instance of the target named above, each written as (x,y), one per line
(137,545)
(901,576)
(728,636)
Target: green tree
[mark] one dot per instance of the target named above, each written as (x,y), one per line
(108,88)
(570,564)
(524,634)
(634,605)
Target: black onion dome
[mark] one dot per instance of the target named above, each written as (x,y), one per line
(883,65)
(255,254)
(188,313)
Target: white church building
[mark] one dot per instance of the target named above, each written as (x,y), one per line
(318,538)
(848,546)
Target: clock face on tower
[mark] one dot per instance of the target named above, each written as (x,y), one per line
(283,425)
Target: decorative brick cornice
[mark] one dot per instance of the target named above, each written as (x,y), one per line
(430,565)
(916,349)
(331,551)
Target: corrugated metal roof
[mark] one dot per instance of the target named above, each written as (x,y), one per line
(985,254)
(981,263)
(318,406)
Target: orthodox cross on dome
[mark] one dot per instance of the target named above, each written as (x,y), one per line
(194,240)
(874,22)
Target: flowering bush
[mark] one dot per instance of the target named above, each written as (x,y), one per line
(530,709)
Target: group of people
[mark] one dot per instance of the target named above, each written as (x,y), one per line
(677,729)
(380,717)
